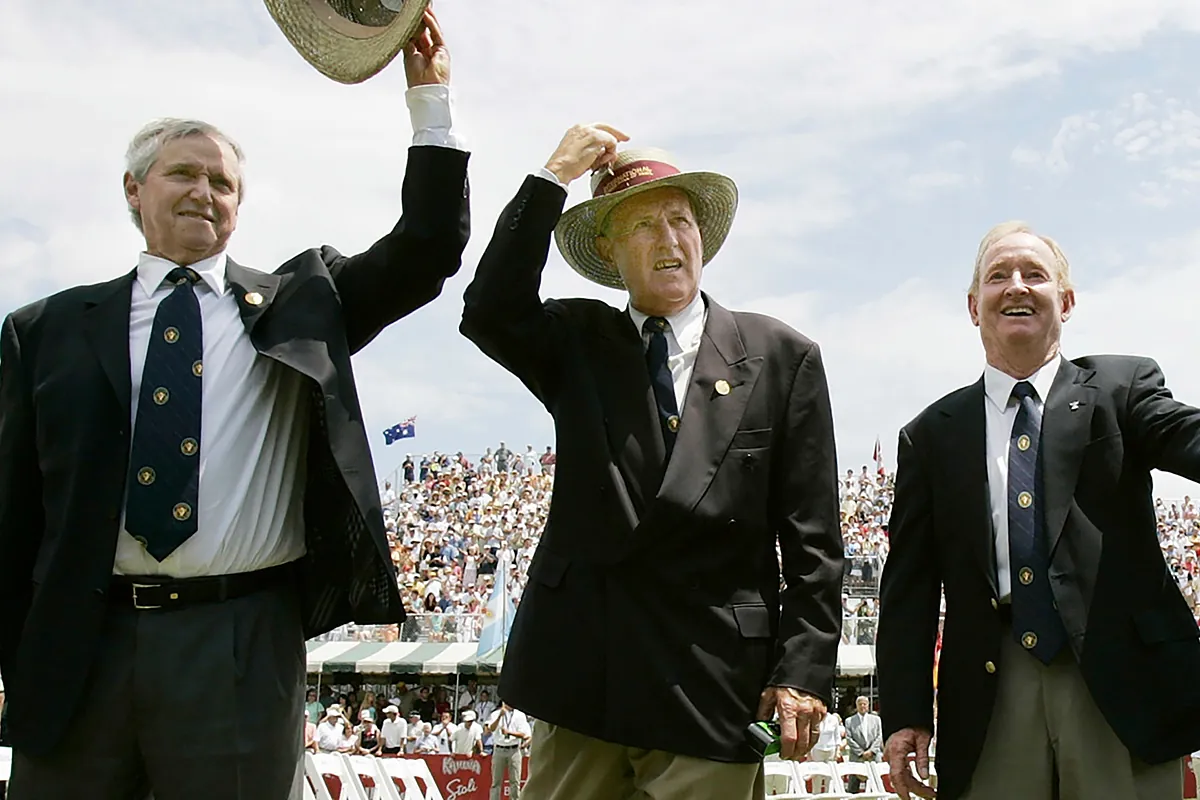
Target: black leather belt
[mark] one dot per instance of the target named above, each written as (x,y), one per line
(165,593)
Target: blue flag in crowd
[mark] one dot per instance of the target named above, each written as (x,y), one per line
(498,616)
(402,430)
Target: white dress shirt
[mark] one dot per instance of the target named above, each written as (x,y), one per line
(683,343)
(511,720)
(1001,413)
(254,416)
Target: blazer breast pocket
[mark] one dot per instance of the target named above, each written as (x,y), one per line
(751,439)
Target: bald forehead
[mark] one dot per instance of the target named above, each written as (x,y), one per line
(1019,247)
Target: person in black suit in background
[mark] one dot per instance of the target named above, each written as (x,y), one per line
(186,488)
(1026,497)
(692,442)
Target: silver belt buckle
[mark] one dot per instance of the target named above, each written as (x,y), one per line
(137,586)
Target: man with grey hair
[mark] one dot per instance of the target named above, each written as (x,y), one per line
(1069,657)
(695,446)
(186,485)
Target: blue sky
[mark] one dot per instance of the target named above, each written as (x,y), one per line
(873,144)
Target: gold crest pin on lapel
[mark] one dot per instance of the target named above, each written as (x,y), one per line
(722,387)
(1074,405)
(254,298)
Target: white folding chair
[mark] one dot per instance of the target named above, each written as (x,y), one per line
(408,771)
(363,768)
(872,787)
(420,771)
(386,787)
(826,785)
(5,763)
(882,772)
(346,781)
(781,781)
(309,794)
(316,781)
(394,774)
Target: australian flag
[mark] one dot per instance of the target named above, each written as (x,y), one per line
(402,430)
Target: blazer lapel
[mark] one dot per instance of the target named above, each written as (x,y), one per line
(1066,420)
(630,411)
(964,456)
(709,417)
(106,320)
(254,291)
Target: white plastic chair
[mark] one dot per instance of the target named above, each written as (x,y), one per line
(5,763)
(337,765)
(781,781)
(407,771)
(363,768)
(872,786)
(420,771)
(385,785)
(826,783)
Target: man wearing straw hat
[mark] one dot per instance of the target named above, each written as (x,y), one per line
(185,480)
(692,443)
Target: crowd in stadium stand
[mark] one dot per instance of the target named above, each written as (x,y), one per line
(453,522)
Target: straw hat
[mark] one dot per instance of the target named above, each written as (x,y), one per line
(348,40)
(714,200)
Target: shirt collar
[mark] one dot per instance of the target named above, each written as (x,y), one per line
(152,271)
(998,385)
(687,326)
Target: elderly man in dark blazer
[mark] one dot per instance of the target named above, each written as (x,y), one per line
(1069,656)
(186,489)
(692,443)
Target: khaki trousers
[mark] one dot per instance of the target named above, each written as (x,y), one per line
(1046,729)
(565,765)
(506,758)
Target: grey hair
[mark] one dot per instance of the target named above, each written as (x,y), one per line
(998,232)
(146,146)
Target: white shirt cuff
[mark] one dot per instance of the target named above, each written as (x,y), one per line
(546,174)
(429,108)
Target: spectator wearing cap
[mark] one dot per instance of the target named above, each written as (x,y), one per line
(393,732)
(467,740)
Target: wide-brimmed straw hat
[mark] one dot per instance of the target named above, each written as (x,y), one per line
(348,40)
(714,201)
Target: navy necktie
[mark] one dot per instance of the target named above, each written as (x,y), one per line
(1036,623)
(164,458)
(661,380)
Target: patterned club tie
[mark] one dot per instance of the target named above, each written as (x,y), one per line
(164,459)
(1036,623)
(660,379)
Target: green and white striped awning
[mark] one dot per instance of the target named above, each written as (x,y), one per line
(406,658)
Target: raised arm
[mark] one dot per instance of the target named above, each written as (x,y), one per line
(503,312)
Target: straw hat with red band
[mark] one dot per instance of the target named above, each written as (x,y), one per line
(714,201)
(348,40)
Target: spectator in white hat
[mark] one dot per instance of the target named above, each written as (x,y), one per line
(394,731)
(329,731)
(468,739)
